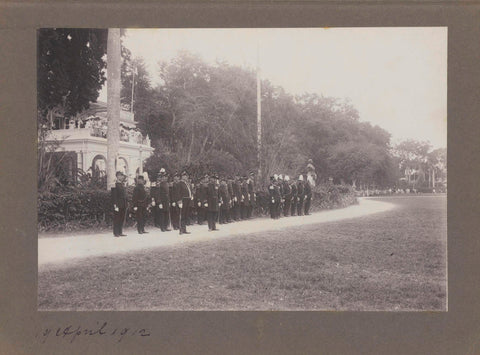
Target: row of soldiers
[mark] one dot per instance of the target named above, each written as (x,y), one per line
(212,199)
(289,197)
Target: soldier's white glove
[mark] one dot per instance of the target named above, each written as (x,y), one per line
(243,197)
(116,209)
(180,205)
(160,206)
(273,200)
(235,199)
(153,203)
(191,198)
(254,197)
(298,199)
(305,196)
(199,204)
(135,208)
(206,205)
(173,204)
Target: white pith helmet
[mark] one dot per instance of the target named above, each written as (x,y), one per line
(300,178)
(287,178)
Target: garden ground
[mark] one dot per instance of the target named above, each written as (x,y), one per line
(391,260)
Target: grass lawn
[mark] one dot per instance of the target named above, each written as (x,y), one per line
(394,260)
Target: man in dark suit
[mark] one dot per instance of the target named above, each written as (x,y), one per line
(174,210)
(237,198)
(201,199)
(155,197)
(183,196)
(224,201)
(163,203)
(140,203)
(294,198)
(212,203)
(287,195)
(273,194)
(119,199)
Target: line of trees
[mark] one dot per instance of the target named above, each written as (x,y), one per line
(203,116)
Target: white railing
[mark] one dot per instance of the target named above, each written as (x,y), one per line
(85,133)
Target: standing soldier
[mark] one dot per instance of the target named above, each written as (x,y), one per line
(274,197)
(183,196)
(163,203)
(230,193)
(201,199)
(294,199)
(251,192)
(308,197)
(224,201)
(245,198)
(278,198)
(155,199)
(140,203)
(287,195)
(174,210)
(119,199)
(282,196)
(212,203)
(301,195)
(237,193)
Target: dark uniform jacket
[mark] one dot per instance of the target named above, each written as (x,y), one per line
(294,191)
(171,192)
(181,190)
(274,193)
(287,191)
(212,197)
(237,191)
(202,194)
(251,190)
(224,196)
(139,198)
(119,195)
(163,195)
(246,195)
(230,189)
(300,189)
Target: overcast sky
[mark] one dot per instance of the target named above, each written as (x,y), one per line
(396,77)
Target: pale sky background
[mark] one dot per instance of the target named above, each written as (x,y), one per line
(396,77)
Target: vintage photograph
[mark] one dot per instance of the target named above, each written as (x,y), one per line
(242,169)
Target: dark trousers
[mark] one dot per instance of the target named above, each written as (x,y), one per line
(293,206)
(163,219)
(286,207)
(175,217)
(156,216)
(308,201)
(118,218)
(243,211)
(235,211)
(201,212)
(273,212)
(184,214)
(300,207)
(140,216)
(279,208)
(223,217)
(212,219)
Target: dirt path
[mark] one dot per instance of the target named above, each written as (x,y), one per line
(58,250)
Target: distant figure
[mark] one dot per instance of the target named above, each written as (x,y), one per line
(213,199)
(119,199)
(140,203)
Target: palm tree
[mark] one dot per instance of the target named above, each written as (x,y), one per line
(113,102)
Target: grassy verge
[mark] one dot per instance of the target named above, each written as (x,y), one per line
(394,260)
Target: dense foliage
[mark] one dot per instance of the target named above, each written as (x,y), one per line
(204,113)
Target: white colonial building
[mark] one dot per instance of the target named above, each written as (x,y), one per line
(85,139)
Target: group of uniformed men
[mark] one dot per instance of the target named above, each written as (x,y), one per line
(212,199)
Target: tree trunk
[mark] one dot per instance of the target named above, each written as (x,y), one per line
(114,61)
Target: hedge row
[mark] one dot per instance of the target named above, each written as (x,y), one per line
(83,208)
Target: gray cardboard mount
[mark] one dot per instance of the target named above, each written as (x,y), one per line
(21,325)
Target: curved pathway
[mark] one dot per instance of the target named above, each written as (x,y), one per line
(59,250)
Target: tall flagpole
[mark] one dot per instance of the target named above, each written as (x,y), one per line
(259,117)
